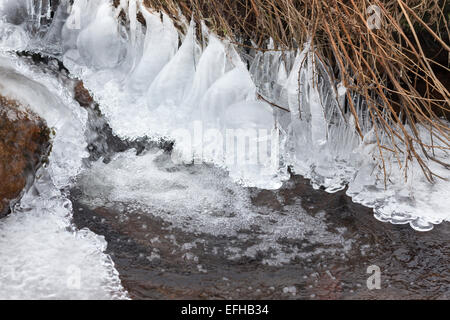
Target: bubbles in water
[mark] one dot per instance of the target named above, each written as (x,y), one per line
(201,199)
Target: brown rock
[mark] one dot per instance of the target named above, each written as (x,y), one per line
(82,95)
(24,145)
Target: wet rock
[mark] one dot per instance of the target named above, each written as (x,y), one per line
(24,145)
(102,142)
(82,95)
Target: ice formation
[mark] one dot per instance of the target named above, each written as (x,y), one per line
(151,87)
(42,255)
(209,99)
(159,90)
(147,84)
(204,200)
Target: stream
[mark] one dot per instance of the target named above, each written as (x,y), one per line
(132,204)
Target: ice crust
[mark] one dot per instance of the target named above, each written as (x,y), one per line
(204,200)
(42,255)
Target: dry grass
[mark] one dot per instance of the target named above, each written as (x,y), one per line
(401,69)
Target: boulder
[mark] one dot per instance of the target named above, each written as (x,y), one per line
(24,147)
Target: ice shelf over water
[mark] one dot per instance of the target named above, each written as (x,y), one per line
(154,81)
(204,200)
(149,86)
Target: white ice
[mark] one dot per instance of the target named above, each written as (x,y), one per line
(42,255)
(147,85)
(213,85)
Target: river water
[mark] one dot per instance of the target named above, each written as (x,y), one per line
(159,260)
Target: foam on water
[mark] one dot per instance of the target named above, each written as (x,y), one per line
(204,200)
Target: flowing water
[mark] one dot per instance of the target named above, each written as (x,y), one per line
(140,200)
(293,243)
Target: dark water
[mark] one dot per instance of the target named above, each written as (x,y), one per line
(413,265)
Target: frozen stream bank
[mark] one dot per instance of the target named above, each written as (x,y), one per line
(150,211)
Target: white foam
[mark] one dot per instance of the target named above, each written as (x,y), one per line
(200,199)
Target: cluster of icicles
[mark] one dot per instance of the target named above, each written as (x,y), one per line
(147,84)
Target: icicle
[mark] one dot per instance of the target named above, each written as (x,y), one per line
(49,10)
(100,44)
(292,85)
(161,43)
(132,15)
(319,126)
(39,14)
(210,68)
(172,83)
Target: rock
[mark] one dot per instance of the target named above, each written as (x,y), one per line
(24,146)
(82,95)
